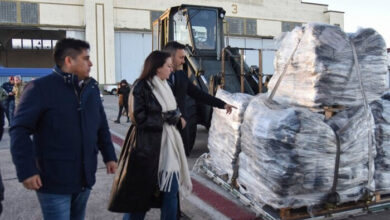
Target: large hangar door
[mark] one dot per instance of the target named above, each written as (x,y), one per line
(131,49)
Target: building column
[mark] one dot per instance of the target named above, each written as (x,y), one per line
(99,32)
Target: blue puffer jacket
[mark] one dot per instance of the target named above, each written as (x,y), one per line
(68,125)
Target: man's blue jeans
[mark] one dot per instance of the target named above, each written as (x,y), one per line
(64,206)
(9,108)
(169,205)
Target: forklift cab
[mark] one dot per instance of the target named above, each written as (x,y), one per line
(200,28)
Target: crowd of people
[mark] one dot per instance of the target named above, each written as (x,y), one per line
(66,104)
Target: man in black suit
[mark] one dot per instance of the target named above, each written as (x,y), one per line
(181,87)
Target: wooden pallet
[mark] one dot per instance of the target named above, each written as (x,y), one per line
(382,197)
(330,210)
(324,211)
(378,202)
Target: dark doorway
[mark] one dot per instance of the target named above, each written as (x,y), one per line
(28,48)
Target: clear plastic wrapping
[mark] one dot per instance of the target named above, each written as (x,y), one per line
(225,133)
(317,62)
(355,130)
(381,112)
(288,155)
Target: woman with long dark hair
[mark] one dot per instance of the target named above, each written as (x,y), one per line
(157,166)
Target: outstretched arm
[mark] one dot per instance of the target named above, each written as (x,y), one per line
(206,98)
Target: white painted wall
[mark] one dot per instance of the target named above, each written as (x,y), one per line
(131,49)
(63,15)
(335,18)
(99,32)
(134,19)
(267,28)
(281,10)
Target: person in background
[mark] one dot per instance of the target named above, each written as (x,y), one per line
(123,93)
(58,129)
(9,103)
(18,89)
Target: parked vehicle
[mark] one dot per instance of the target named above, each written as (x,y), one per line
(111,89)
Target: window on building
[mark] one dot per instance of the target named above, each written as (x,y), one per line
(26,44)
(33,44)
(240,26)
(16,43)
(46,44)
(235,26)
(289,26)
(37,44)
(251,26)
(29,12)
(9,11)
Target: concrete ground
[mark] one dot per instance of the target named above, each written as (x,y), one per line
(22,204)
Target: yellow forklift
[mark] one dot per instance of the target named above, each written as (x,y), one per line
(209,63)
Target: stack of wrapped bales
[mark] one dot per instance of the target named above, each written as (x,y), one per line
(294,155)
(315,66)
(381,111)
(288,154)
(225,133)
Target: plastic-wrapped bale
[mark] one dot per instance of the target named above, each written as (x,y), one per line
(321,70)
(288,155)
(355,129)
(381,112)
(225,133)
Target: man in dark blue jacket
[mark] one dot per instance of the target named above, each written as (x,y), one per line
(65,115)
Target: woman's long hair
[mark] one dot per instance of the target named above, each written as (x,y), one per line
(155,60)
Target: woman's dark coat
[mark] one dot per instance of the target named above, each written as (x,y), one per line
(141,183)
(124,90)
